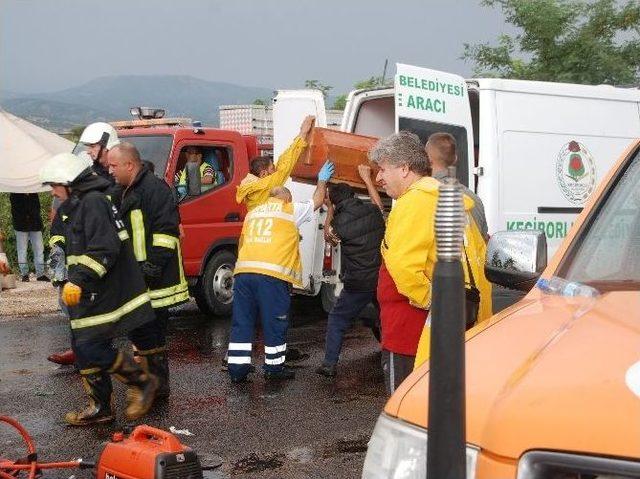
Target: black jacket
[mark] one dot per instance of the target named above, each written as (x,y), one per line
(360,227)
(148,209)
(25,211)
(100,260)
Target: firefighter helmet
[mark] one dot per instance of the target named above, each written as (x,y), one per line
(102,133)
(63,169)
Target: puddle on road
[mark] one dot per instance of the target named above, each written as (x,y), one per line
(255,463)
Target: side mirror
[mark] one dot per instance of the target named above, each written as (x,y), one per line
(193,179)
(516,259)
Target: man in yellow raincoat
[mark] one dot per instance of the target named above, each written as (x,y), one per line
(264,175)
(409,253)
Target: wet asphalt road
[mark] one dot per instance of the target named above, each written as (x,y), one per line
(310,427)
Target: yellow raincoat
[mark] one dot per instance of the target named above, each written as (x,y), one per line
(476,250)
(254,191)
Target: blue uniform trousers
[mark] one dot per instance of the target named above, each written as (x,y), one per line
(347,307)
(258,295)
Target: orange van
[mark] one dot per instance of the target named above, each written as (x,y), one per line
(553,382)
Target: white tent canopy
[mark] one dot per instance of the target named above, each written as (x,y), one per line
(24,147)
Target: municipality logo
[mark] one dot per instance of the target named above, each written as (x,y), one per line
(576,172)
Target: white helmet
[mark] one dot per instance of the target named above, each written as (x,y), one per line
(100,132)
(63,168)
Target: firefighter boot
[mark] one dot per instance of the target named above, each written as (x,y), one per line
(100,408)
(142,386)
(157,363)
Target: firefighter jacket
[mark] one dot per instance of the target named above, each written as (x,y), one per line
(100,260)
(254,191)
(150,215)
(269,243)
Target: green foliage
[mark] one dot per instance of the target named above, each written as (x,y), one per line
(340,103)
(317,85)
(74,133)
(372,82)
(259,101)
(574,41)
(6,227)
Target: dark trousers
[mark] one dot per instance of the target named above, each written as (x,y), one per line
(258,295)
(396,368)
(348,306)
(100,352)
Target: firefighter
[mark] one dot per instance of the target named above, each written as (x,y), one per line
(99,138)
(105,291)
(148,210)
(263,175)
(268,264)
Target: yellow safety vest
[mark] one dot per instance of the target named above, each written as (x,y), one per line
(269,243)
(203,187)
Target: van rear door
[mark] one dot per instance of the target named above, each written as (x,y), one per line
(290,107)
(430,101)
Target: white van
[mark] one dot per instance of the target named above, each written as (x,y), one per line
(532,151)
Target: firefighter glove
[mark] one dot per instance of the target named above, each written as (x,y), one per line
(71,294)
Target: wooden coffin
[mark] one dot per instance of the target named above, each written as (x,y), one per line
(345,150)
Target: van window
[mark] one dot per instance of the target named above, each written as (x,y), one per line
(376,117)
(607,254)
(215,167)
(424,129)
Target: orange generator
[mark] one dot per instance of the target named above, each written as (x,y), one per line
(148,453)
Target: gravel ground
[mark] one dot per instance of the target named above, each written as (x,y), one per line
(28,299)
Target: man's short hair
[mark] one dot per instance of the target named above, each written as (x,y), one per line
(281,192)
(260,164)
(338,192)
(129,151)
(399,149)
(444,148)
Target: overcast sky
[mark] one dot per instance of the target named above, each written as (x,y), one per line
(50,45)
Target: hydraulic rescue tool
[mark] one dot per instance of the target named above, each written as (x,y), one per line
(147,453)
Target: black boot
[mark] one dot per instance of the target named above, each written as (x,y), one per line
(157,363)
(100,410)
(142,386)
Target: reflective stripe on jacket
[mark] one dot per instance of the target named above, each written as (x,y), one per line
(269,243)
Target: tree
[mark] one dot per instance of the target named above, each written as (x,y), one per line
(571,41)
(317,85)
(259,101)
(340,102)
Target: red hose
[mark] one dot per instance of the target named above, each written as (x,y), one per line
(31,448)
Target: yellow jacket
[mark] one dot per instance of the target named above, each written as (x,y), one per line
(254,191)
(476,250)
(269,243)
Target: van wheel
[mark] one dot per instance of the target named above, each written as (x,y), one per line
(216,285)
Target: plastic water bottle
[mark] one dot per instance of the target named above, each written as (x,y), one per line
(562,287)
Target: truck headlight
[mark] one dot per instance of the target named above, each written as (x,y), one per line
(398,450)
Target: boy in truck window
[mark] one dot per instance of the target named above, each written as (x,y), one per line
(264,175)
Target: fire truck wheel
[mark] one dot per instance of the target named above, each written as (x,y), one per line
(216,285)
